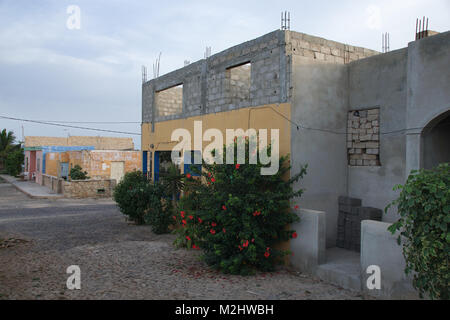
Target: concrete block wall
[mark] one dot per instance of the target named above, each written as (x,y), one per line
(209,87)
(239,83)
(169,101)
(320,49)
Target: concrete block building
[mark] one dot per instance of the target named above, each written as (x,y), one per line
(360,119)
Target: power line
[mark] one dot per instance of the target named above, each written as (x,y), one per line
(93,122)
(69,126)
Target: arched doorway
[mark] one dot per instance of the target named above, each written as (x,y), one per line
(436,141)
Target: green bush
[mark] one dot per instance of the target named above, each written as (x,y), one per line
(424,208)
(144,202)
(77,173)
(238,216)
(14,161)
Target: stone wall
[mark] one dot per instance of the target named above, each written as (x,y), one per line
(363,137)
(53,183)
(89,188)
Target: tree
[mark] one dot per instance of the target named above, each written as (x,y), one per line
(6,145)
(14,161)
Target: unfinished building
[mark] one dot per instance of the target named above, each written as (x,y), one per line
(360,119)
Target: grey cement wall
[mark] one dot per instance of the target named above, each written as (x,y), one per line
(428,88)
(309,247)
(320,101)
(380,81)
(436,144)
(379,247)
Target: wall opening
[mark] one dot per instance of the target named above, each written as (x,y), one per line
(239,83)
(363,137)
(435,142)
(169,101)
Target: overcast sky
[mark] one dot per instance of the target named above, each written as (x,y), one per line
(50,72)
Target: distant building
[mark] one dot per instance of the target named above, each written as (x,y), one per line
(99,164)
(37,147)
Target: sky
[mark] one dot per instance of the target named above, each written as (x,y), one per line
(51,70)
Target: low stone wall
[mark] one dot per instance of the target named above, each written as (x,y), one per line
(89,188)
(52,182)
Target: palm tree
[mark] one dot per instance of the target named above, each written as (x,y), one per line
(6,145)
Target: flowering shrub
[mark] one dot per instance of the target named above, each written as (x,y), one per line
(237,216)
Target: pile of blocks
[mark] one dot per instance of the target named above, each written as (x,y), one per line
(351,213)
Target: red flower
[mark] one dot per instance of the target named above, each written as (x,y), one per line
(200,220)
(188,238)
(209,174)
(213,224)
(296,207)
(174,218)
(256,213)
(266,254)
(223,230)
(212,231)
(195,247)
(240,248)
(183,221)
(224,208)
(294,235)
(182,214)
(188,176)
(253,240)
(213,180)
(237,166)
(267,249)
(191,217)
(245,244)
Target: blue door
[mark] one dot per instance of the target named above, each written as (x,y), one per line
(156,165)
(64,169)
(145,162)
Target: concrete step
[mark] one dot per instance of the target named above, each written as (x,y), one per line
(342,268)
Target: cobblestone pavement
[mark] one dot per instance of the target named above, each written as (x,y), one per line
(119,260)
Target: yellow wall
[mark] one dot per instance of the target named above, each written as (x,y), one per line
(96,162)
(53,162)
(261,117)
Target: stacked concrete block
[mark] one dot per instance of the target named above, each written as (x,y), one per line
(325,50)
(363,137)
(351,213)
(169,101)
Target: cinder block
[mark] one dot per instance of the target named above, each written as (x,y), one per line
(349,201)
